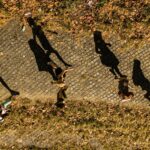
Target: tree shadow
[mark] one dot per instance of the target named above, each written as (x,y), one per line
(39,33)
(107,57)
(139,78)
(12,92)
(43,60)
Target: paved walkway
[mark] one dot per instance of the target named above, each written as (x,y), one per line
(90,79)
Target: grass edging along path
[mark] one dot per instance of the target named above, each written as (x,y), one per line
(130,19)
(81,125)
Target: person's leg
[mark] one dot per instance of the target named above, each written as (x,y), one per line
(52,64)
(64,91)
(112,70)
(1,113)
(61,59)
(60,103)
(1,119)
(52,72)
(116,69)
(8,88)
(7,102)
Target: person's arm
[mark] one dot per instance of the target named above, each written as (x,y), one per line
(65,71)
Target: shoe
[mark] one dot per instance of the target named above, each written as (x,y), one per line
(125,100)
(4,112)
(14,93)
(23,28)
(1,119)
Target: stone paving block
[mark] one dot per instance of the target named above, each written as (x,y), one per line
(89,80)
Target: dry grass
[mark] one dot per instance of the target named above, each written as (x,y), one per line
(129,18)
(82,125)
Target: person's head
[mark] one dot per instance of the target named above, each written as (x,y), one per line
(58,71)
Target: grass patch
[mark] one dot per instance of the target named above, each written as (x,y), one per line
(82,125)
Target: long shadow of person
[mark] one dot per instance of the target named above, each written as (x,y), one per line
(39,33)
(12,92)
(3,106)
(107,57)
(42,59)
(139,78)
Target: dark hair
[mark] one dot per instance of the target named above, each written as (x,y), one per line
(58,71)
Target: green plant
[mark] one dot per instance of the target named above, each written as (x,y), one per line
(101,3)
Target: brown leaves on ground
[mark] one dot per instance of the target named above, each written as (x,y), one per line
(130,18)
(118,126)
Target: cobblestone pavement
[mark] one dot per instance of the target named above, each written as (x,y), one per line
(90,79)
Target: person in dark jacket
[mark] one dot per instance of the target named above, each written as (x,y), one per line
(61,96)
(124,89)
